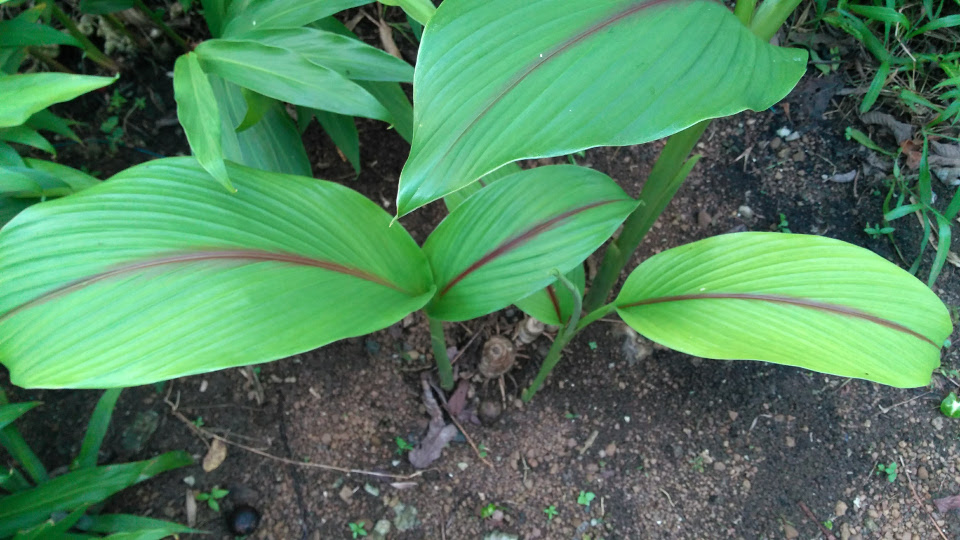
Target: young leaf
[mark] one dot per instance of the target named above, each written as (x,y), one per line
(80,488)
(48,121)
(26,136)
(791,299)
(260,14)
(37,91)
(585,74)
(343,131)
(272,144)
(285,75)
(9,157)
(185,278)
(97,429)
(257,107)
(503,243)
(347,56)
(9,413)
(554,303)
(199,115)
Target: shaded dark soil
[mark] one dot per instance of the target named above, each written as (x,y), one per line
(671,446)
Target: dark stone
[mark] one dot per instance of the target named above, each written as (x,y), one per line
(243,520)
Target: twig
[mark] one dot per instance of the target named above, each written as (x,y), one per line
(885,410)
(203,433)
(814,519)
(469,441)
(919,502)
(668,496)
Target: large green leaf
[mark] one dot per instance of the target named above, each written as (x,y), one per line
(260,14)
(288,76)
(791,299)
(584,74)
(502,244)
(199,115)
(420,10)
(456,198)
(350,57)
(24,182)
(272,144)
(25,94)
(79,488)
(158,273)
(20,32)
(554,303)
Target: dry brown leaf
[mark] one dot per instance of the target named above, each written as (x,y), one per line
(953,259)
(947,504)
(191,508)
(902,132)
(215,455)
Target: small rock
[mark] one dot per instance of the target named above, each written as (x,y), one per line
(840,509)
(489,411)
(937,423)
(790,532)
(704,219)
(406,517)
(372,490)
(500,535)
(746,485)
(922,473)
(784,132)
(777,142)
(326,439)
(791,442)
(189,480)
(799,156)
(346,494)
(380,530)
(462,465)
(745,212)
(733,415)
(719,466)
(610,450)
(792,137)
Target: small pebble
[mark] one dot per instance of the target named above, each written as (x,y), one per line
(784,132)
(776,143)
(840,509)
(243,520)
(791,442)
(745,212)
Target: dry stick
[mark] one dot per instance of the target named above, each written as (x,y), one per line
(201,433)
(919,502)
(813,518)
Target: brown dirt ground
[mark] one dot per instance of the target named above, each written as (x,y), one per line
(672,446)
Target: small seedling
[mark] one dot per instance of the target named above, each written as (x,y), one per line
(403,446)
(593,345)
(487,511)
(357,529)
(571,416)
(950,406)
(784,225)
(585,498)
(876,231)
(117,101)
(889,470)
(697,464)
(828,525)
(198,422)
(213,497)
(550,511)
(482,450)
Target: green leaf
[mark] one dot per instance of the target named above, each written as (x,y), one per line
(533,222)
(950,406)
(75,179)
(797,300)
(392,96)
(285,75)
(103,7)
(456,198)
(262,14)
(97,429)
(20,32)
(347,56)
(420,10)
(12,480)
(876,85)
(48,121)
(343,132)
(257,107)
(554,304)
(9,157)
(272,144)
(37,91)
(20,451)
(26,136)
(620,72)
(9,413)
(199,115)
(215,13)
(880,14)
(157,274)
(125,523)
(24,182)
(52,529)
(80,488)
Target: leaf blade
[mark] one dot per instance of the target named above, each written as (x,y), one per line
(798,300)
(199,115)
(37,91)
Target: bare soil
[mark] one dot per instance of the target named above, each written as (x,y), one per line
(671,446)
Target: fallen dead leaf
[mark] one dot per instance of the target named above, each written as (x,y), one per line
(215,455)
(191,508)
(946,504)
(439,433)
(902,132)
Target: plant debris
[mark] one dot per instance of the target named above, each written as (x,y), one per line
(439,433)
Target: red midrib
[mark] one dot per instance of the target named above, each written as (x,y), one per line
(519,240)
(202,256)
(789,300)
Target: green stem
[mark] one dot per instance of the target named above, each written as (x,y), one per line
(564,337)
(664,181)
(93,53)
(770,16)
(158,20)
(439,344)
(11,439)
(596,315)
(744,10)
